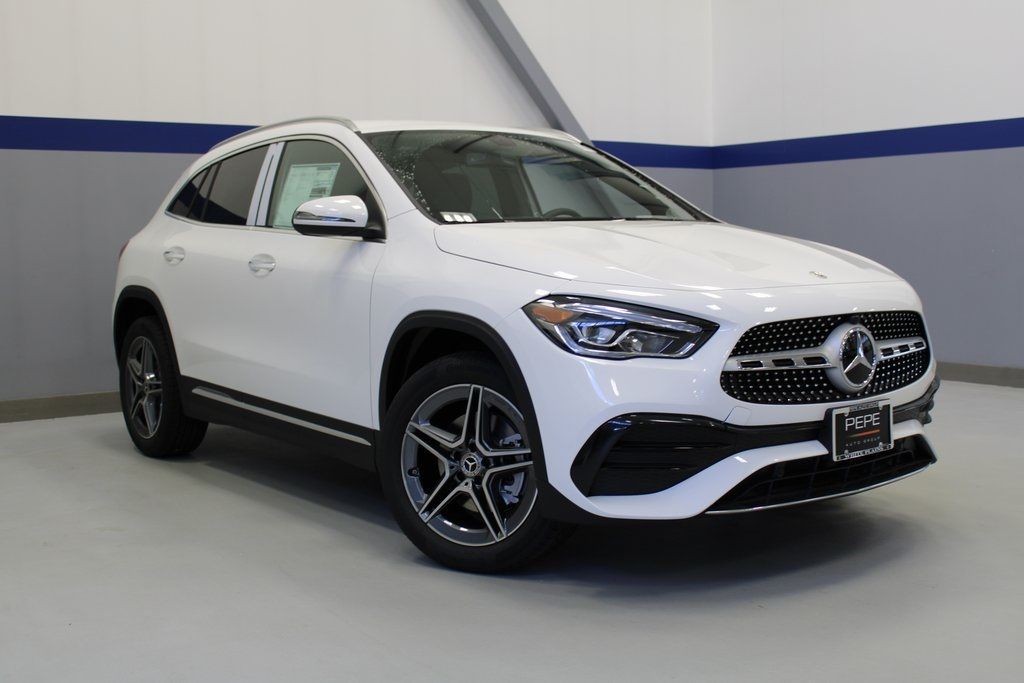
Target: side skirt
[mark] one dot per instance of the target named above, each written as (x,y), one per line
(211,403)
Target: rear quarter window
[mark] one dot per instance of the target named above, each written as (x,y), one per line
(186,199)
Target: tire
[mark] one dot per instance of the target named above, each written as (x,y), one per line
(434,472)
(151,395)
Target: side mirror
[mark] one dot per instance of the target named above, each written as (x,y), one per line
(345,215)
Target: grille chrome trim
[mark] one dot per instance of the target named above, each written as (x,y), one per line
(895,348)
(891,348)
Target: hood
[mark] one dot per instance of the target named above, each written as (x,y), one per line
(686,256)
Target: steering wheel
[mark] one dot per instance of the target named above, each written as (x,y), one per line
(568,213)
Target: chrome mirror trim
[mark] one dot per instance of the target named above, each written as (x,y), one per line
(343,211)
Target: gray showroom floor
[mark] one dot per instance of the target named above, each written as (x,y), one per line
(253,561)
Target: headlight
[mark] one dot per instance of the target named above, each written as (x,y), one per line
(607,329)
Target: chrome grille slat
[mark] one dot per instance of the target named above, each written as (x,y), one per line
(803,358)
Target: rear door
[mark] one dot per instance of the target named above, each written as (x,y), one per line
(204,266)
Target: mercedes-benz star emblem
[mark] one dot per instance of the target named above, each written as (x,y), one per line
(471,464)
(854,357)
(818,273)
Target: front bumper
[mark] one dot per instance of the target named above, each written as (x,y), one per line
(574,397)
(721,487)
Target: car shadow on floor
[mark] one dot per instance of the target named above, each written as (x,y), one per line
(800,548)
(849,536)
(312,482)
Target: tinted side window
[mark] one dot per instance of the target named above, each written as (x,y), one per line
(182,204)
(199,205)
(234,180)
(310,169)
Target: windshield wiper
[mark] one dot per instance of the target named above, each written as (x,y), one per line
(652,218)
(580,219)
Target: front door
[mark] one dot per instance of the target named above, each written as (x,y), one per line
(303,303)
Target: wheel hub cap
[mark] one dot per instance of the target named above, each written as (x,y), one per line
(467,466)
(472,465)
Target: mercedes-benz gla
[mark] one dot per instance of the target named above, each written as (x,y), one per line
(517,331)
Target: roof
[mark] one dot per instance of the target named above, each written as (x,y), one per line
(377,126)
(371,126)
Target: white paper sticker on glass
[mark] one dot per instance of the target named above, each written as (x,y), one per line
(303,182)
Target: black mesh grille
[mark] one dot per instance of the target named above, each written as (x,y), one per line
(811,385)
(807,333)
(809,478)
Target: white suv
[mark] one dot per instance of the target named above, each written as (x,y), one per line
(516,330)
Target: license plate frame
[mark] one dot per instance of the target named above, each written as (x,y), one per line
(860,430)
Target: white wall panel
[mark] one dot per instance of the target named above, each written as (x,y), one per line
(800,68)
(637,71)
(250,62)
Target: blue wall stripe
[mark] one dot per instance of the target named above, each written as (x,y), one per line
(663,156)
(950,137)
(105,135)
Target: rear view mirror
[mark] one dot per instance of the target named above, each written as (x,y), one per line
(344,215)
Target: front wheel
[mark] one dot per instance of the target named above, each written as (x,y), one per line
(457,468)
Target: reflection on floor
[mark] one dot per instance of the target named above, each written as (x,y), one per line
(254,560)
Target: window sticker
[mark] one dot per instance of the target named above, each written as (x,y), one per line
(303,182)
(458,217)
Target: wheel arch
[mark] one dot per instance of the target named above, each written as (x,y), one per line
(136,302)
(427,335)
(400,361)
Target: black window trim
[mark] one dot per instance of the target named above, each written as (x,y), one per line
(213,173)
(201,176)
(268,183)
(261,199)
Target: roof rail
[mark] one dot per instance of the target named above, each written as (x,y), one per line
(308,119)
(555,131)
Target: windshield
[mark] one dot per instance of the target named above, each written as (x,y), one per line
(484,177)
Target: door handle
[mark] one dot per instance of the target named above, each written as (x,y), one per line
(262,264)
(174,255)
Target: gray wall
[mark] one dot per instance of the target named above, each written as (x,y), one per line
(65,215)
(950,223)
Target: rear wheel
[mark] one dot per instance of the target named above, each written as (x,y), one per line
(150,395)
(457,468)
